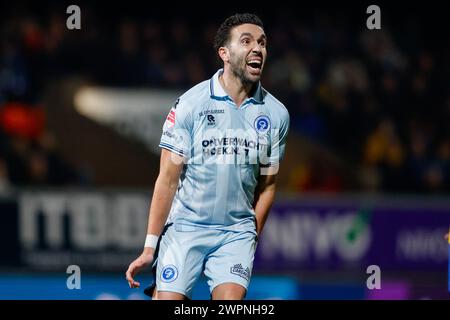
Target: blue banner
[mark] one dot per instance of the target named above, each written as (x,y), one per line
(348,234)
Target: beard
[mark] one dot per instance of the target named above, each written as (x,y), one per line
(238,68)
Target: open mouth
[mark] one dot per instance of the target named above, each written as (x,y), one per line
(254,65)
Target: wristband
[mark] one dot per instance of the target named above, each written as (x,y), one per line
(150,241)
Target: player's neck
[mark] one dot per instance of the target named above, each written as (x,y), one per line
(234,87)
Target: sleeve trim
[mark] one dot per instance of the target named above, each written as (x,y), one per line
(172,148)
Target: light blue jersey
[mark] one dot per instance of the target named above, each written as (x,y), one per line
(225,148)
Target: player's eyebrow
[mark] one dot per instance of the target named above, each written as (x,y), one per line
(263,37)
(248,34)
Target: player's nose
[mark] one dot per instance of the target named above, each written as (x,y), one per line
(257,48)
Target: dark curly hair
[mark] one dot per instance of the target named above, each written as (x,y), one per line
(223,33)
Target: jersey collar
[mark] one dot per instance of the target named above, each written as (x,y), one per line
(218,93)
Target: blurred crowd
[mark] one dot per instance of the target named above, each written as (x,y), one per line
(379,99)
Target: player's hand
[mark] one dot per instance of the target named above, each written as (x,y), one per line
(144,260)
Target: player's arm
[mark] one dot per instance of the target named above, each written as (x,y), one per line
(264,197)
(265,189)
(166,185)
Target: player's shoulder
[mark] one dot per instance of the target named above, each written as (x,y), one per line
(275,106)
(191,98)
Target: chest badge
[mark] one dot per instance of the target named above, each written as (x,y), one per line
(262,124)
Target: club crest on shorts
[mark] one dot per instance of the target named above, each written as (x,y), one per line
(169,273)
(237,269)
(262,124)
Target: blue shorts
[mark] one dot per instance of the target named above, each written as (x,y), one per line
(182,256)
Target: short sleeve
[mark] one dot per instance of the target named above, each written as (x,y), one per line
(176,135)
(278,137)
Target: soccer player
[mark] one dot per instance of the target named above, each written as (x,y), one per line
(221,146)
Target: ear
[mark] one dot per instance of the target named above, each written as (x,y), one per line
(224,54)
